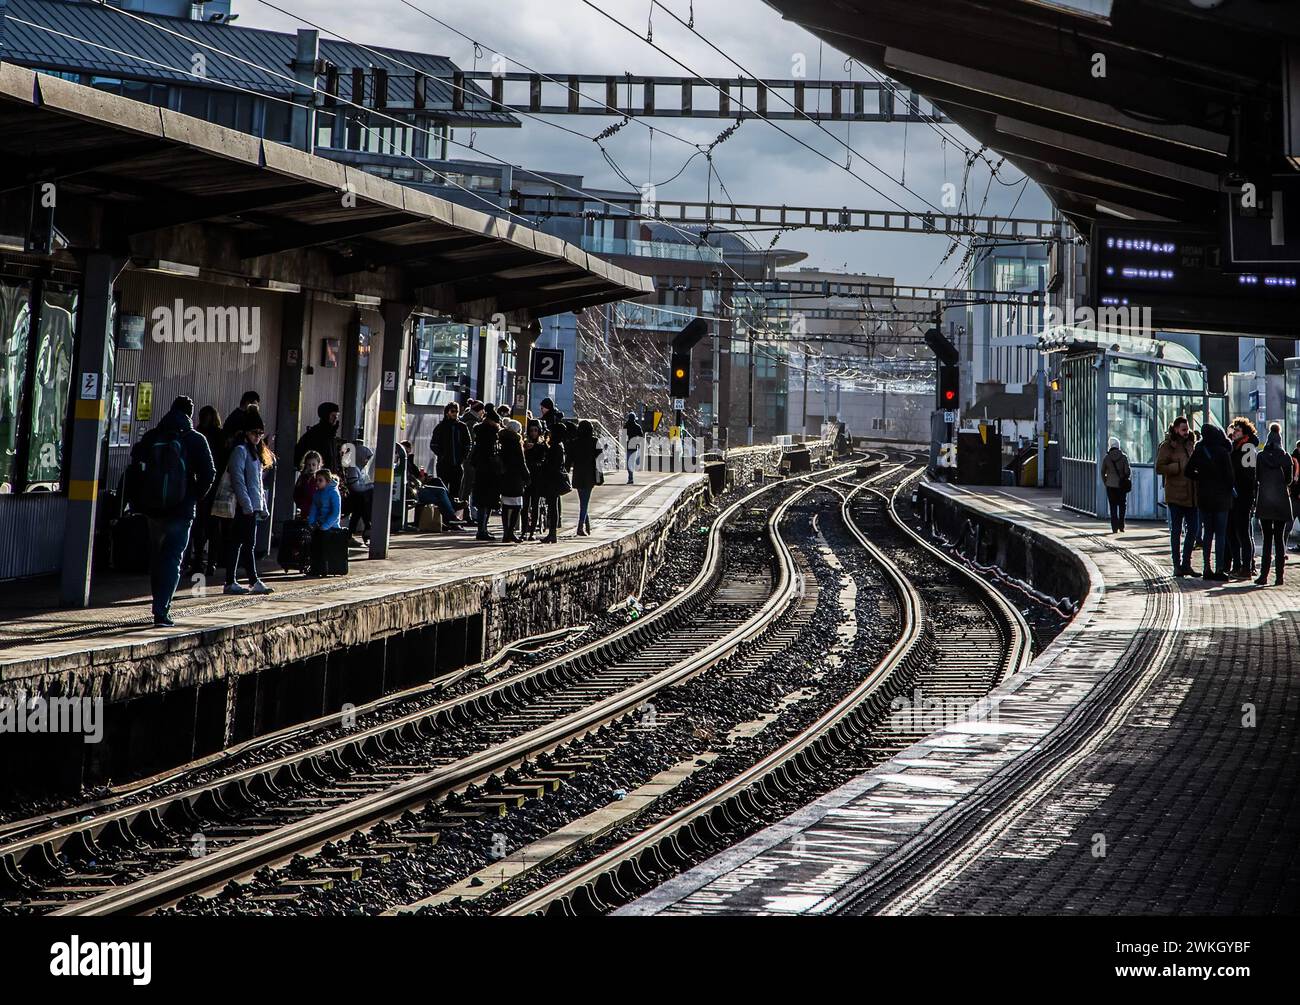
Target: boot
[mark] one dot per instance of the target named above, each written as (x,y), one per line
(1205,571)
(1263,576)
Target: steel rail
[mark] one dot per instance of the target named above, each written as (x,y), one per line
(166,887)
(706,818)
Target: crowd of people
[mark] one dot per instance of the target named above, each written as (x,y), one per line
(202,486)
(486,461)
(1217,484)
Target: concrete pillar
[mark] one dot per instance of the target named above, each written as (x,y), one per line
(91,385)
(295,338)
(524,343)
(392,384)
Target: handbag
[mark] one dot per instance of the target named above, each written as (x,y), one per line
(1126,484)
(600,477)
(223,503)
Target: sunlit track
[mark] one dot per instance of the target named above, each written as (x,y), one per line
(135,858)
(697,829)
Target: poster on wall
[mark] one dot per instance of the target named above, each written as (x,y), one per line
(121,415)
(144,400)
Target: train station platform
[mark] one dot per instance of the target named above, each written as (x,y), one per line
(236,667)
(1147,762)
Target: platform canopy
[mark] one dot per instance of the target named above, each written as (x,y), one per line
(1136,109)
(162,187)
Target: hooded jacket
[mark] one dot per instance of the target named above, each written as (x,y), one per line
(514,471)
(1243,472)
(1115,468)
(583,451)
(1211,467)
(199,465)
(1274,471)
(1171,462)
(322,438)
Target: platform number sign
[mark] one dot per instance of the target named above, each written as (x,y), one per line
(547,366)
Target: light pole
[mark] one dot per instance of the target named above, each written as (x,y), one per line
(807,365)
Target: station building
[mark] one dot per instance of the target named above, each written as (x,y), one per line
(147,253)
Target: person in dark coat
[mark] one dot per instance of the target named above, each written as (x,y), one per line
(248,413)
(450,443)
(1295,492)
(205,539)
(554,484)
(169,530)
(551,416)
(634,437)
(322,438)
(583,454)
(1118,479)
(483,456)
(1275,475)
(1211,468)
(534,449)
(514,481)
(1241,543)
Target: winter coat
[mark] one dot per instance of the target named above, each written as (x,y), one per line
(1211,467)
(633,430)
(324,439)
(198,459)
(551,484)
(326,505)
(1243,472)
(514,469)
(1115,469)
(246,480)
(1171,462)
(303,490)
(354,476)
(1274,478)
(232,433)
(450,443)
(535,458)
(582,460)
(483,455)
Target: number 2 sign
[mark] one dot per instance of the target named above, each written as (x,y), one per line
(547,366)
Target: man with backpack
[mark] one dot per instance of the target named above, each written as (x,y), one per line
(171,470)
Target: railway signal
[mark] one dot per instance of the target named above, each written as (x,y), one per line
(949,379)
(679,376)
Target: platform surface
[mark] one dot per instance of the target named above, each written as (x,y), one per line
(1145,763)
(34,627)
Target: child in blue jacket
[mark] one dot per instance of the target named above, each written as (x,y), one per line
(326,503)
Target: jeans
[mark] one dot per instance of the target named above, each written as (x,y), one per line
(360,503)
(205,535)
(633,462)
(532,503)
(243,532)
(1214,528)
(1274,541)
(584,501)
(1241,543)
(1118,500)
(483,515)
(167,540)
(552,516)
(436,495)
(1178,516)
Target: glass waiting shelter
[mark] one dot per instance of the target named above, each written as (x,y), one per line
(1128,387)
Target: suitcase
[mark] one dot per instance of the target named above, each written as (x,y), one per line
(330,552)
(430,520)
(295,546)
(129,543)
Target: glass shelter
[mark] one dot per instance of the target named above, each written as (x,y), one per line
(1130,388)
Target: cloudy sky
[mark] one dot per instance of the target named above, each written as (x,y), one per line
(757,164)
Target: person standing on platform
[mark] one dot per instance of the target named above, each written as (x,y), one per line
(514,481)
(248,461)
(205,539)
(534,457)
(1118,478)
(1180,493)
(635,437)
(450,445)
(248,412)
(1275,476)
(1241,542)
(583,454)
(1211,468)
(173,470)
(555,483)
(323,438)
(486,461)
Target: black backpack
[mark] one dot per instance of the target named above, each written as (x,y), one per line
(160,480)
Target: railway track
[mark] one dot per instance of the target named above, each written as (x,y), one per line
(937,598)
(472,755)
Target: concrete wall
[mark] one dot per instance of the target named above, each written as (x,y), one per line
(1048,566)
